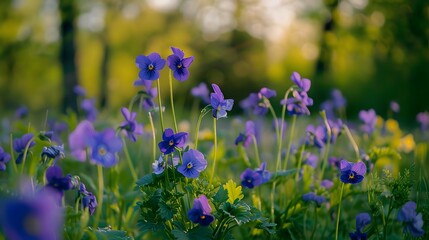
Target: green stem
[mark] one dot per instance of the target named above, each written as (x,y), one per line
(130,163)
(133,100)
(100,195)
(272,202)
(387,218)
(203,112)
(161,119)
(315,222)
(328,144)
(15,168)
(352,141)
(172,101)
(280,141)
(339,211)
(289,145)
(152,127)
(299,162)
(24,157)
(255,145)
(214,151)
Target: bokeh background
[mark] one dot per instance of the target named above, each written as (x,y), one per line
(372,51)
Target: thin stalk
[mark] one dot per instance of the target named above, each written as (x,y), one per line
(387,218)
(130,163)
(315,222)
(328,144)
(197,130)
(255,145)
(15,168)
(161,119)
(272,202)
(215,150)
(352,141)
(339,211)
(299,162)
(289,144)
(172,101)
(100,195)
(153,136)
(24,157)
(133,100)
(280,141)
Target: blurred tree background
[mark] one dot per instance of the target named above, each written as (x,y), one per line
(372,51)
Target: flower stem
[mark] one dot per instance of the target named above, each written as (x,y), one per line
(315,223)
(255,145)
(24,157)
(100,195)
(214,150)
(339,211)
(15,169)
(299,162)
(161,119)
(280,141)
(352,141)
(203,112)
(170,79)
(153,136)
(289,145)
(328,144)
(130,163)
(272,202)
(133,100)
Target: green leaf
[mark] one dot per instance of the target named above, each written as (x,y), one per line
(267,226)
(200,233)
(239,212)
(281,175)
(234,192)
(111,234)
(180,235)
(165,211)
(221,195)
(145,180)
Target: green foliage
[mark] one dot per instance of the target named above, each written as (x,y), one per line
(234,192)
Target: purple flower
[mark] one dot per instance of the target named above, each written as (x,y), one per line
(369,119)
(78,139)
(334,162)
(394,106)
(250,178)
(297,105)
(304,84)
(88,199)
(423,119)
(170,141)
(159,165)
(58,182)
(130,124)
(79,90)
(265,174)
(413,221)
(149,95)
(352,172)
(56,128)
(200,212)
(362,220)
(219,104)
(53,152)
(104,147)
(257,102)
(336,127)
(201,91)
(193,164)
(311,160)
(312,197)
(21,112)
(150,66)
(178,64)
(4,158)
(36,217)
(246,138)
(88,106)
(315,136)
(327,184)
(20,144)
(338,99)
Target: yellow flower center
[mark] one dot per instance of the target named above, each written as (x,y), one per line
(189,165)
(179,65)
(150,67)
(171,143)
(102,151)
(351,175)
(203,217)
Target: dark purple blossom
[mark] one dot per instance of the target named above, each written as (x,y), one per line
(336,127)
(159,165)
(79,90)
(362,220)
(21,112)
(297,105)
(311,159)
(4,158)
(58,182)
(303,83)
(201,91)
(36,217)
(246,137)
(200,212)
(150,66)
(265,174)
(338,99)
(149,95)
(53,152)
(130,125)
(104,146)
(193,163)
(423,119)
(20,144)
(219,103)
(170,141)
(315,136)
(56,128)
(352,172)
(327,184)
(394,106)
(88,106)
(257,102)
(369,119)
(312,197)
(413,221)
(178,64)
(88,200)
(78,139)
(334,162)
(250,178)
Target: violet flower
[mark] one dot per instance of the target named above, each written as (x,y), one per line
(303,83)
(78,139)
(362,220)
(104,147)
(58,182)
(130,125)
(394,106)
(369,118)
(79,90)
(327,184)
(21,112)
(315,136)
(250,178)
(265,174)
(150,66)
(20,144)
(297,105)
(423,119)
(312,197)
(193,163)
(352,172)
(311,159)
(88,106)
(88,200)
(219,104)
(201,91)
(201,212)
(257,102)
(149,95)
(413,221)
(53,152)
(246,137)
(159,165)
(170,141)
(4,158)
(178,64)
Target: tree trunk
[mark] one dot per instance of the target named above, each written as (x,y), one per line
(68,12)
